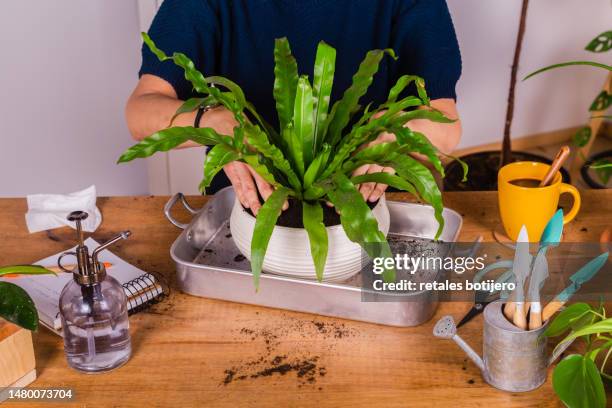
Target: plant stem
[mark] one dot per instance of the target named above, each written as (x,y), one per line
(603,317)
(602,337)
(506,156)
(603,365)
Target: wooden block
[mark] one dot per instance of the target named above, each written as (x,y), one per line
(20,383)
(16,354)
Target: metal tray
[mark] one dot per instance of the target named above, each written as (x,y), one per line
(208,264)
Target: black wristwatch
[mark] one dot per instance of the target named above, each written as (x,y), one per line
(201,111)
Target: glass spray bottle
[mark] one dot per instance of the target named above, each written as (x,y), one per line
(93,308)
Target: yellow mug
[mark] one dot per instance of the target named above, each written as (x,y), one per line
(531,206)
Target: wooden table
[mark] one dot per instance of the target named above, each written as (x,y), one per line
(187,348)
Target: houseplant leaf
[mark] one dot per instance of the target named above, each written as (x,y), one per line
(594,352)
(567,64)
(578,384)
(233,87)
(303,122)
(429,114)
(324,67)
(603,169)
(385,178)
(565,318)
(601,43)
(418,143)
(386,154)
(17,307)
(170,138)
(190,105)
(264,225)
(312,218)
(602,326)
(197,79)
(256,162)
(341,111)
(259,141)
(25,270)
(358,221)
(295,149)
(285,80)
(403,82)
(191,73)
(216,158)
(241,101)
(317,164)
(370,131)
(420,176)
(371,154)
(601,102)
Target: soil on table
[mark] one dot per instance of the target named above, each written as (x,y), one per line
(292,216)
(273,358)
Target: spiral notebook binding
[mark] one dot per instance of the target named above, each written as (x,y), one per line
(143,292)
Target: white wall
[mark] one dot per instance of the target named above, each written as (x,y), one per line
(66,70)
(557,31)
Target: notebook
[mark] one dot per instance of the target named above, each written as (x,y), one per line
(141,288)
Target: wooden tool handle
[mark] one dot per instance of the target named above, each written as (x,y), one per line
(509,310)
(535,316)
(556,165)
(519,319)
(551,308)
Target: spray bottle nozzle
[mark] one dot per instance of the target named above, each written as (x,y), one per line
(77,217)
(89,270)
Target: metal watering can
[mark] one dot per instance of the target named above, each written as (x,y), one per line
(513,360)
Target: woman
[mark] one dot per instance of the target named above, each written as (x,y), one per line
(236,39)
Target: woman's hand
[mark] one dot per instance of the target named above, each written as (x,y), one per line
(445,136)
(246,183)
(373,191)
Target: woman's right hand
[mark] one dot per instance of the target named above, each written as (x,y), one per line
(244,179)
(246,183)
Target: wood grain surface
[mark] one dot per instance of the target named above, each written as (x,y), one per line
(16,353)
(190,351)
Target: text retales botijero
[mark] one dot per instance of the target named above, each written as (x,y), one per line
(411,264)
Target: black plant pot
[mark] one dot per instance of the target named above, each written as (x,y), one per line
(483,167)
(588,175)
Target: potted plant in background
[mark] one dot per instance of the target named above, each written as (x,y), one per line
(601,163)
(18,316)
(484,165)
(577,380)
(310,159)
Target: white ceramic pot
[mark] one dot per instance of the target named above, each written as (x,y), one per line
(289,249)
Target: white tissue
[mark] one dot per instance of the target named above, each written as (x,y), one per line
(48,211)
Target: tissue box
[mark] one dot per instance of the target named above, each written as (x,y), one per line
(17,364)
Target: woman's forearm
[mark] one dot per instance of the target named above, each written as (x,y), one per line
(154,102)
(151,112)
(445,136)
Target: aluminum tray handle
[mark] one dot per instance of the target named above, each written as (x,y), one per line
(171,203)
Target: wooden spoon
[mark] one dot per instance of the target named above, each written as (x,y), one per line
(556,165)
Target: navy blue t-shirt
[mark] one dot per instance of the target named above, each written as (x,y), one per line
(235,39)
